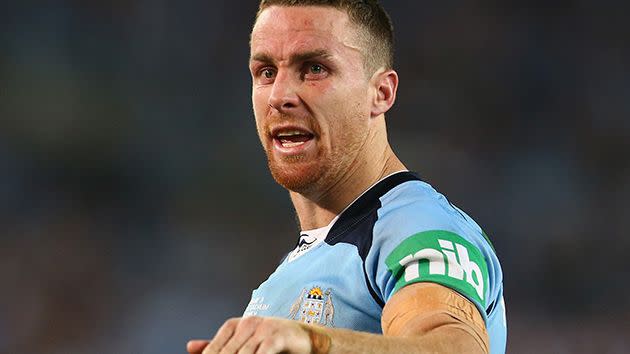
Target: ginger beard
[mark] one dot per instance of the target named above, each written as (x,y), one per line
(336,149)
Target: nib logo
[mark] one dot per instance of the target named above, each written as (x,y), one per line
(441,257)
(459,264)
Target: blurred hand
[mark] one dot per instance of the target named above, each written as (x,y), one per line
(255,335)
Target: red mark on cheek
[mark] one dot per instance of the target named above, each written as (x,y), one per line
(320,88)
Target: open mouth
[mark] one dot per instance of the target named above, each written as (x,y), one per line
(291,138)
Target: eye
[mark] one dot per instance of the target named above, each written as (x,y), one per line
(268,73)
(316,69)
(265,75)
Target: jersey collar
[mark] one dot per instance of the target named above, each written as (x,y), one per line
(368,202)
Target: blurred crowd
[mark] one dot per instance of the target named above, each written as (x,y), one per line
(136,209)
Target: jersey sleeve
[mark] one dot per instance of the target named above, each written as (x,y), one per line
(430,240)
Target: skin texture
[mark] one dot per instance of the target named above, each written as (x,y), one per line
(406,314)
(308,73)
(337,101)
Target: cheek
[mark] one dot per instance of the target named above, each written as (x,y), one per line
(348,126)
(260,106)
(350,108)
(259,99)
(355,125)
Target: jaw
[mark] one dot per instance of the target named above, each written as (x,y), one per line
(298,174)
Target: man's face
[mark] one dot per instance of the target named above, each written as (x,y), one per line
(310,95)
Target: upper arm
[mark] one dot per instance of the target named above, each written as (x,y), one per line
(430,309)
(422,243)
(427,242)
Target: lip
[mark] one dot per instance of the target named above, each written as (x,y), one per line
(278,129)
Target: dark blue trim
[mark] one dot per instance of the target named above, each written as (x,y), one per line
(356,224)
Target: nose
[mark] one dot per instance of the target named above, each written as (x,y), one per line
(284,95)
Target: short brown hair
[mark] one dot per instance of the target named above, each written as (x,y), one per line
(369,15)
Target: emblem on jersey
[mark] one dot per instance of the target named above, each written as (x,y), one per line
(441,257)
(314,307)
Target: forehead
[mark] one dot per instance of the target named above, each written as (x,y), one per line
(282,30)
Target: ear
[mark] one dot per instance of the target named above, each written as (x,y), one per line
(385,84)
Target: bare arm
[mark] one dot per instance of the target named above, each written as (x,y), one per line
(420,318)
(444,339)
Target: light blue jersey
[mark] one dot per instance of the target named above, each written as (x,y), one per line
(400,231)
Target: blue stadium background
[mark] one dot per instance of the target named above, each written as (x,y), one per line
(136,210)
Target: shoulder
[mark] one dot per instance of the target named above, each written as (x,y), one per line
(416,207)
(420,236)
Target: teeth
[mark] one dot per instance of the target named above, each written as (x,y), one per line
(290,133)
(289,144)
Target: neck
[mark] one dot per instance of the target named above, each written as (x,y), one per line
(319,209)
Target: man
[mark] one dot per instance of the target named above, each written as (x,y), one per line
(385,264)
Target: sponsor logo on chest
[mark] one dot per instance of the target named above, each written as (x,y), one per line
(256,305)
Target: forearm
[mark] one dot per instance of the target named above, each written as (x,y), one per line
(450,338)
(440,323)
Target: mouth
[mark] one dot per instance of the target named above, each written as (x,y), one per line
(290,139)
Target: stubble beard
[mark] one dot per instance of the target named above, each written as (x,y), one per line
(296,174)
(311,178)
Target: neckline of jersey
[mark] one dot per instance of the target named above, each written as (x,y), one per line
(334,220)
(368,201)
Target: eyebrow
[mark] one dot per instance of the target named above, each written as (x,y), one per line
(294,58)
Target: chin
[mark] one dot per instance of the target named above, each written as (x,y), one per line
(297,177)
